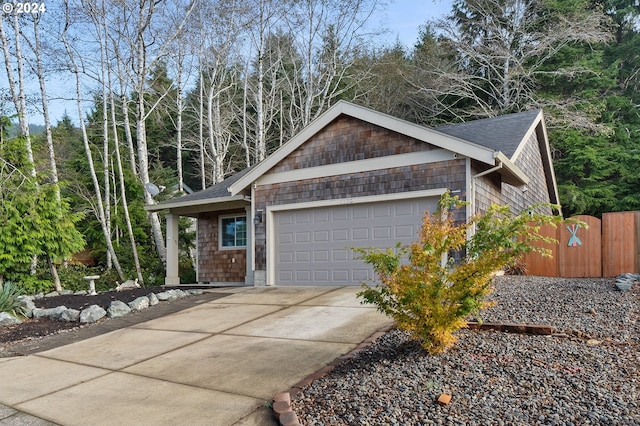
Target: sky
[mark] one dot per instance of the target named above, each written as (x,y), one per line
(402,18)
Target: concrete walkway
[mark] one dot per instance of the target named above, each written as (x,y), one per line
(217,363)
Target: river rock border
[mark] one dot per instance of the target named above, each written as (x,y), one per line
(94,313)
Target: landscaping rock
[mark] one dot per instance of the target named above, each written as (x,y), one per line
(65,292)
(70,315)
(180,293)
(51,313)
(139,303)
(117,309)
(153,299)
(53,293)
(624,282)
(92,314)
(169,295)
(80,292)
(27,305)
(7,319)
(194,292)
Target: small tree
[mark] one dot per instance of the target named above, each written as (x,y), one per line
(431,297)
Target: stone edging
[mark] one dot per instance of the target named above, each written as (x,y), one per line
(94,313)
(282,401)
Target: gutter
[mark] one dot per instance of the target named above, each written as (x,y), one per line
(488,171)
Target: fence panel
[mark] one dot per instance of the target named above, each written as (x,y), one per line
(620,243)
(580,248)
(544,266)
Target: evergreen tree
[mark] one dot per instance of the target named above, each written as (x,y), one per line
(32,220)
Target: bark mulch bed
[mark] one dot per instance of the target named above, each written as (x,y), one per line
(31,329)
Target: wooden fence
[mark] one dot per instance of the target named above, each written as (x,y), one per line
(607,248)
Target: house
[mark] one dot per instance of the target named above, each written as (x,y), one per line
(355,178)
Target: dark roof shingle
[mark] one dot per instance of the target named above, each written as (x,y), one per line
(502,133)
(219,190)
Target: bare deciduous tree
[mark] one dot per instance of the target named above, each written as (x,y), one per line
(496,50)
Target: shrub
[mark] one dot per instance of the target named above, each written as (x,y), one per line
(431,296)
(9,302)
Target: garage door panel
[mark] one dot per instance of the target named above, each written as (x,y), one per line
(405,210)
(382,232)
(286,277)
(360,234)
(321,255)
(303,256)
(321,236)
(382,211)
(340,235)
(361,275)
(340,275)
(286,257)
(303,237)
(341,255)
(321,216)
(303,217)
(339,213)
(405,231)
(285,238)
(314,246)
(321,276)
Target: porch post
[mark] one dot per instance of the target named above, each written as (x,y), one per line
(248,279)
(172,277)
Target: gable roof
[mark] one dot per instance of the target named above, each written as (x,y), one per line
(492,141)
(504,133)
(483,154)
(508,134)
(215,194)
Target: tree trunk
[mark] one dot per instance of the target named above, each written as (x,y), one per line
(100,213)
(53,168)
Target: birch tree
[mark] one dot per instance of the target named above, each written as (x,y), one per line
(75,70)
(328,34)
(146,36)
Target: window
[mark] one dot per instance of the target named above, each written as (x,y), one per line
(233,231)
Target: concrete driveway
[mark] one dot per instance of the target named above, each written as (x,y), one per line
(216,363)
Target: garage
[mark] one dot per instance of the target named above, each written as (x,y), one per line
(313,245)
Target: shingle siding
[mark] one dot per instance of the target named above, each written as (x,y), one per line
(490,190)
(214,264)
(530,162)
(348,139)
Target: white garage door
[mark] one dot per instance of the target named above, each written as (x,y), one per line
(312,246)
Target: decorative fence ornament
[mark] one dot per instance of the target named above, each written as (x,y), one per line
(574,241)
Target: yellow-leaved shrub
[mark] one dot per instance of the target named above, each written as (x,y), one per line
(425,291)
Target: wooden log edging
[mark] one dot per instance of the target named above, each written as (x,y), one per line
(535,329)
(281,404)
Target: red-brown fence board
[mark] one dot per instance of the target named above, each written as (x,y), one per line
(538,265)
(620,243)
(580,254)
(608,248)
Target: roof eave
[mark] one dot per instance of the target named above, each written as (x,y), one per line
(511,173)
(168,205)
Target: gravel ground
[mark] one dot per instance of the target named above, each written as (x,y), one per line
(588,374)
